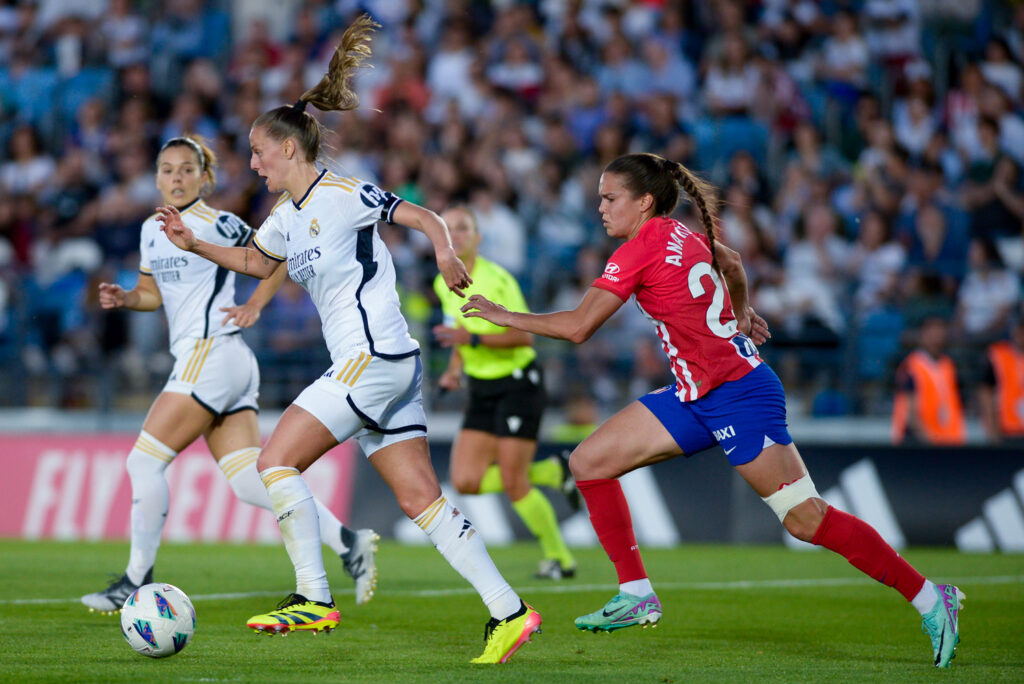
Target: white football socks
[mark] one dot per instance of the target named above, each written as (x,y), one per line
(457,540)
(296,513)
(640,587)
(330,528)
(146,464)
(926,598)
(240,469)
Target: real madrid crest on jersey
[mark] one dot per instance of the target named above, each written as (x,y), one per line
(314,228)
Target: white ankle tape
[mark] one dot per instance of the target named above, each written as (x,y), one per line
(790,496)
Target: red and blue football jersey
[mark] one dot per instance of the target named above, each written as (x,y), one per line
(667,267)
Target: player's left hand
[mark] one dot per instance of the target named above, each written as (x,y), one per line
(454,272)
(450,337)
(479,306)
(759,332)
(244,315)
(175,229)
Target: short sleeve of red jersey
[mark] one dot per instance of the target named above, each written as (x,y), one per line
(625,269)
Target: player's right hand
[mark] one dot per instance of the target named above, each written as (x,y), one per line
(454,272)
(449,337)
(479,306)
(175,229)
(244,315)
(111,296)
(450,380)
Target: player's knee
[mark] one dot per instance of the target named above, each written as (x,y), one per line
(516,485)
(149,457)
(803,520)
(269,459)
(797,507)
(140,465)
(576,463)
(585,463)
(465,483)
(593,463)
(413,501)
(412,507)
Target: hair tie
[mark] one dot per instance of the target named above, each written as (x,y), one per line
(299,106)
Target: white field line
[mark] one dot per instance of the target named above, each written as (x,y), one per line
(567,588)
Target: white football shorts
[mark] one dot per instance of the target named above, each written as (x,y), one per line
(219,372)
(377,401)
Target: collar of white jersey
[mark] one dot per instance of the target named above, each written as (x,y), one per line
(298,204)
(190,205)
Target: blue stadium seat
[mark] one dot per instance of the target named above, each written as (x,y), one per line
(86,84)
(31,92)
(718,139)
(879,343)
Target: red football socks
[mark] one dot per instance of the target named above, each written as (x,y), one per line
(609,514)
(859,543)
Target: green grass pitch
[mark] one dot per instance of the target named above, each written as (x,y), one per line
(732,614)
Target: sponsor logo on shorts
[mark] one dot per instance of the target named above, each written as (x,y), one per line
(725,433)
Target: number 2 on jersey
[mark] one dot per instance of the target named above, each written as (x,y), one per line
(714,313)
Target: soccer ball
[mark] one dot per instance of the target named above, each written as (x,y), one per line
(158,620)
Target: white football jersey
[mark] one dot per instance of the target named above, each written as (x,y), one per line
(329,239)
(193,289)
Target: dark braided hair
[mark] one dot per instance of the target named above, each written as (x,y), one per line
(648,173)
(331,94)
(703,195)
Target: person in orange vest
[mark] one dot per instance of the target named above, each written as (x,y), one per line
(927,403)
(1002,391)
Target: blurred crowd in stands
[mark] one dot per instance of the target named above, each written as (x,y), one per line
(869,156)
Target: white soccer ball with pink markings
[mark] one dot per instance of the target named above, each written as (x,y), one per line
(158,620)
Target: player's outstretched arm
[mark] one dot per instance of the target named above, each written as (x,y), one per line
(239,259)
(144,297)
(577,325)
(454,272)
